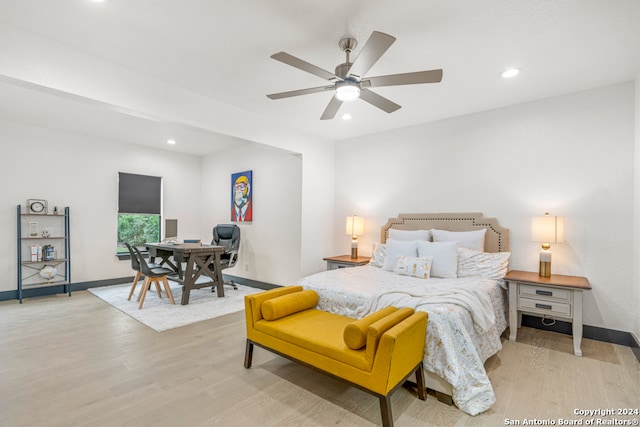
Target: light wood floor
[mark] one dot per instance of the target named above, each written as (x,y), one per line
(79,362)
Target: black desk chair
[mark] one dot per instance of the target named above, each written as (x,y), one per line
(227,235)
(135,266)
(153,275)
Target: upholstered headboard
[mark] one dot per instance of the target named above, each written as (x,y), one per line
(496,239)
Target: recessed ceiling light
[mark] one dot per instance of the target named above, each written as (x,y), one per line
(510,72)
(97,1)
(346,116)
(171,141)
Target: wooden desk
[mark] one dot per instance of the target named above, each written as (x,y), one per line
(197,258)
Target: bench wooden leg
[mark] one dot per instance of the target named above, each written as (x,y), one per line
(422,391)
(248,354)
(385,411)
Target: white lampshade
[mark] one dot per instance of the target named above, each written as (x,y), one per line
(354,225)
(347,92)
(547,229)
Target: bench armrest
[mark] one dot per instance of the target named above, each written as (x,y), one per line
(378,328)
(400,350)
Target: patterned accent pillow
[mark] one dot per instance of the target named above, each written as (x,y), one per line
(416,267)
(473,263)
(378,255)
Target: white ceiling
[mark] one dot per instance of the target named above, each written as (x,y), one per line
(221,50)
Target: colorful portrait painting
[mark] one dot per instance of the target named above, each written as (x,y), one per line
(241,195)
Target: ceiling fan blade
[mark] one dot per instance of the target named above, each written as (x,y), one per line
(332,109)
(430,76)
(373,49)
(378,101)
(304,66)
(300,92)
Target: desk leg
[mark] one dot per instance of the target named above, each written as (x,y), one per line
(219,280)
(513,311)
(577,323)
(188,281)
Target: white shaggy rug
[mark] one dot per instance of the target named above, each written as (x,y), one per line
(159,314)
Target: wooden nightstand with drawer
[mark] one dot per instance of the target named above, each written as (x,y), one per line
(345,261)
(555,297)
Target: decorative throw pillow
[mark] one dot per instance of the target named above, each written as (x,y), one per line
(396,234)
(466,239)
(482,264)
(416,267)
(395,248)
(445,258)
(378,254)
(279,307)
(355,333)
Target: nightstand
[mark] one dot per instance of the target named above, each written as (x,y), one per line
(345,261)
(555,297)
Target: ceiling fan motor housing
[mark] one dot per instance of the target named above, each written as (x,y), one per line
(343,69)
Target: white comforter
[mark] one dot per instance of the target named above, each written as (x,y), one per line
(466,318)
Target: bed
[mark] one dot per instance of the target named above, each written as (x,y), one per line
(466,307)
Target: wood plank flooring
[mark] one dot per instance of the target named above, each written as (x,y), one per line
(79,362)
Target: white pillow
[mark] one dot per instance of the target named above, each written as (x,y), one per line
(445,258)
(416,267)
(482,264)
(395,248)
(409,234)
(378,254)
(466,239)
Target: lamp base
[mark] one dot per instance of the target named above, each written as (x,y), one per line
(545,269)
(354,253)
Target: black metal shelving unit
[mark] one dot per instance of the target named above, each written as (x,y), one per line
(28,270)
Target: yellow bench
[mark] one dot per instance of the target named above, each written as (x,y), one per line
(376,354)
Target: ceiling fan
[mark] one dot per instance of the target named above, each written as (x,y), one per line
(349,81)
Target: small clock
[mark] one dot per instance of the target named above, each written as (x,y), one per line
(37,206)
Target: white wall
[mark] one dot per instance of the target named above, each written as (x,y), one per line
(69,70)
(81,172)
(271,243)
(571,155)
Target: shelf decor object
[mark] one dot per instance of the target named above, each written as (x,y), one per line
(48,273)
(33,229)
(547,229)
(36,207)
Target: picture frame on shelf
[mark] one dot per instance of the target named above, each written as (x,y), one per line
(33,229)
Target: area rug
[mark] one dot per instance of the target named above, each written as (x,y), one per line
(160,315)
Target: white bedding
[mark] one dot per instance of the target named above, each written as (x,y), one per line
(464,324)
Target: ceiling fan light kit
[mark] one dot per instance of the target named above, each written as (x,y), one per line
(347,91)
(349,82)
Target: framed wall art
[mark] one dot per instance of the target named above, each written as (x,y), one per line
(241,196)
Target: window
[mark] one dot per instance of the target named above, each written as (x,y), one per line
(139,208)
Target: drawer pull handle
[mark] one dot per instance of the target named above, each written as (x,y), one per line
(545,293)
(545,306)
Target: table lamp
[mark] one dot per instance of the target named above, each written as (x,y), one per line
(355,226)
(547,229)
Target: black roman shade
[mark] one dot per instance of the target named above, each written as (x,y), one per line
(139,194)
